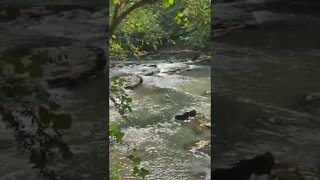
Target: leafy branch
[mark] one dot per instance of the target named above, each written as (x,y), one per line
(27,110)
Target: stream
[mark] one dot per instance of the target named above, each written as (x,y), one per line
(152,133)
(260,80)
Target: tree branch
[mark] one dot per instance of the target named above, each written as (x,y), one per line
(116,20)
(115,13)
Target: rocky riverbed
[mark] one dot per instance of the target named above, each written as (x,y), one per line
(69,39)
(170,147)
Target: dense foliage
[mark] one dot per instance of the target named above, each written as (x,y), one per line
(140,26)
(158,24)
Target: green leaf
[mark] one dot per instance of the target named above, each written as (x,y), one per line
(165,4)
(178,20)
(44,115)
(143,173)
(35,70)
(3,12)
(114,177)
(135,171)
(170,2)
(129,100)
(117,1)
(119,135)
(187,24)
(112,127)
(18,67)
(53,105)
(62,121)
(130,157)
(180,14)
(136,160)
(117,167)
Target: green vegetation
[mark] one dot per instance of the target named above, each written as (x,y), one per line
(3,11)
(138,27)
(25,100)
(122,103)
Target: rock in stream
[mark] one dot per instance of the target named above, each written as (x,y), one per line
(131,82)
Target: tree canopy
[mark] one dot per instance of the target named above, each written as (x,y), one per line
(137,27)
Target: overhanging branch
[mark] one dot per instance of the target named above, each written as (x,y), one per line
(117,19)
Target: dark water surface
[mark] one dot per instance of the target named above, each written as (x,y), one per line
(260,77)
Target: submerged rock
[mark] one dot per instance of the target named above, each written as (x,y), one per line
(152,65)
(203,120)
(200,123)
(151,73)
(131,82)
(199,145)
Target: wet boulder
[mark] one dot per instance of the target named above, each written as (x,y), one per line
(68,65)
(131,81)
(186,115)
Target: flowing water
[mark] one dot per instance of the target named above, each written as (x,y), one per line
(260,77)
(153,134)
(87,137)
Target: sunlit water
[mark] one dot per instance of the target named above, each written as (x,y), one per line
(154,135)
